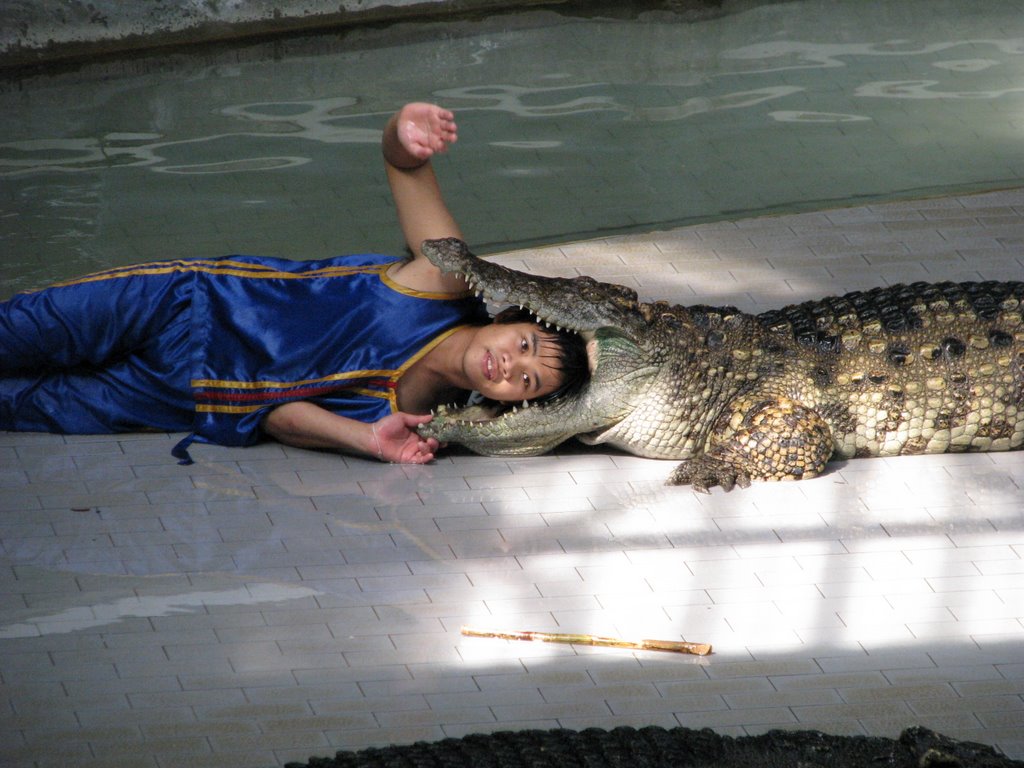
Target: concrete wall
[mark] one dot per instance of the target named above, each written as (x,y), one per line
(35,31)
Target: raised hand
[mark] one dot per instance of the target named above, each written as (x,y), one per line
(421,130)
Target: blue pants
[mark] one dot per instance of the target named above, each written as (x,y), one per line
(105,353)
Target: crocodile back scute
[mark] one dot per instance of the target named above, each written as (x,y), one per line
(894,309)
(913,368)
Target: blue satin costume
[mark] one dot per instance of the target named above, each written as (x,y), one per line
(208,346)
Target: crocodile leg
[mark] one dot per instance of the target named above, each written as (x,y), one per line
(759,439)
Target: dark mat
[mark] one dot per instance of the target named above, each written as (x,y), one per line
(675,748)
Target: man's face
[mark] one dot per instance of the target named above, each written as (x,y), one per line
(513,362)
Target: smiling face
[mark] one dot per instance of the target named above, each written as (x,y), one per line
(512,362)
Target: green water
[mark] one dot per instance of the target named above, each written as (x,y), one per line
(570,128)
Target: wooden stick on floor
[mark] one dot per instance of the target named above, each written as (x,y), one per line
(673,646)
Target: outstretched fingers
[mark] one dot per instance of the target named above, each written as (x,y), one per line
(426,129)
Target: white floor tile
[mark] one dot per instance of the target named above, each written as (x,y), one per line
(275,602)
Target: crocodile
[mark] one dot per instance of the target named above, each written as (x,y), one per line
(905,369)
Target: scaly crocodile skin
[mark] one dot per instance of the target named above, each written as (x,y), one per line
(908,369)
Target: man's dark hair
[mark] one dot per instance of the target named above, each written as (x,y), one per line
(572,358)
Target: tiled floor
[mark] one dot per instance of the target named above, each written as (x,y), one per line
(269,604)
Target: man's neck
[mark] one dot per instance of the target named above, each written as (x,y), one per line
(436,377)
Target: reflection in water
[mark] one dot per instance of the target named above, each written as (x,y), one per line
(569,127)
(700,106)
(237,166)
(785,116)
(321,119)
(967,65)
(315,120)
(311,120)
(515,100)
(924,89)
(781,55)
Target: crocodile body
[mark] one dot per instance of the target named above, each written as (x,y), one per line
(906,369)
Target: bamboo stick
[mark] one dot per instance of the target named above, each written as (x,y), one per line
(673,646)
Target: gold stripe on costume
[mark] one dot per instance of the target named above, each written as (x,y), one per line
(223,267)
(426,348)
(204,408)
(381,373)
(395,286)
(390,393)
(228,384)
(238,409)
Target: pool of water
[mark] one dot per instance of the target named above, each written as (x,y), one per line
(570,127)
